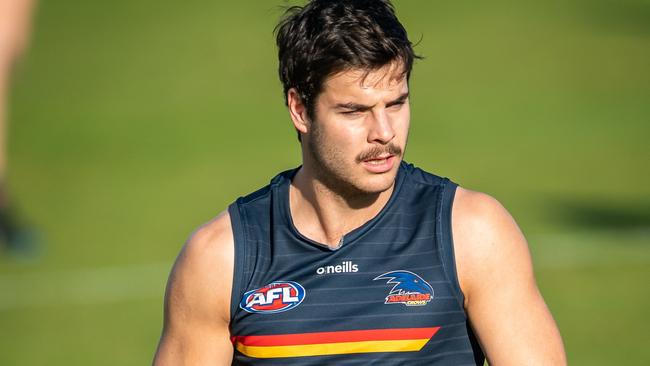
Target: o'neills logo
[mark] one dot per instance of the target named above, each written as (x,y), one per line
(344,267)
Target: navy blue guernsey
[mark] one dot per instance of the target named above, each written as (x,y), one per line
(388,295)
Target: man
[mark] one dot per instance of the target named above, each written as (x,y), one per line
(349,259)
(15,26)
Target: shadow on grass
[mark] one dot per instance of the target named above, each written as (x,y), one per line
(629,16)
(598,214)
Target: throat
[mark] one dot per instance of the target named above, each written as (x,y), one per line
(326,217)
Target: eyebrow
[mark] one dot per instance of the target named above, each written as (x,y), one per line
(363,107)
(401,99)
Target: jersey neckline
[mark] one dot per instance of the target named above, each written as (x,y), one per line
(282,190)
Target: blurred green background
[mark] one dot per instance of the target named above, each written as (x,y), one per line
(132,122)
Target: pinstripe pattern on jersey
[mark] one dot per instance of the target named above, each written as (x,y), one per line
(411,233)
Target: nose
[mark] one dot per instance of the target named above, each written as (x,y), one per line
(381,130)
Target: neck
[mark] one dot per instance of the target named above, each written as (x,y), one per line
(325,215)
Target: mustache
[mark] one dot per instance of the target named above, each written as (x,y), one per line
(377,151)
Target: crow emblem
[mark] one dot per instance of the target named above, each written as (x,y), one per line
(408,288)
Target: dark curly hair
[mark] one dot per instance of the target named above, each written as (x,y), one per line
(325,37)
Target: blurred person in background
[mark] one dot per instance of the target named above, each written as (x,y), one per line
(349,258)
(15,24)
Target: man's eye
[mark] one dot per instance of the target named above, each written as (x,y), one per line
(351,113)
(396,105)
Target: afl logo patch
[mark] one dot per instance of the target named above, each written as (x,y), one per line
(408,288)
(275,297)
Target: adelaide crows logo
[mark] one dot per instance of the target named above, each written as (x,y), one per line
(409,289)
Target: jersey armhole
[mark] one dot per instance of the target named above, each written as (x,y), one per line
(446,240)
(239,238)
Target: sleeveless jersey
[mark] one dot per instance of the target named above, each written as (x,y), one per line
(388,295)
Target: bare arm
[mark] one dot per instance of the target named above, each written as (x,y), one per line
(197,300)
(507,311)
(15,24)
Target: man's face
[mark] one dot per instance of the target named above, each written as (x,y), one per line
(359,131)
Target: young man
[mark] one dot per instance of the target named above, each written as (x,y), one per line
(349,259)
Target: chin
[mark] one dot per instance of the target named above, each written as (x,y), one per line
(378,183)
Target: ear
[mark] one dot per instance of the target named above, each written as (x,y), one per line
(297,111)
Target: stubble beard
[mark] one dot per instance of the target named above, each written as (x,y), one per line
(331,168)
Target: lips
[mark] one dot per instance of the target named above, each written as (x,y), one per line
(380,164)
(378,158)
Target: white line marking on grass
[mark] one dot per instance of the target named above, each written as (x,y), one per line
(147,281)
(83,286)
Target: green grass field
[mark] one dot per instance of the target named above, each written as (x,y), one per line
(132,122)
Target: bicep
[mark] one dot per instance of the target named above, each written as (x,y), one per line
(505,307)
(512,321)
(191,345)
(197,302)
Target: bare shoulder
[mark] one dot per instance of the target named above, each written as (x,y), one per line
(197,299)
(487,241)
(212,241)
(479,209)
(205,265)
